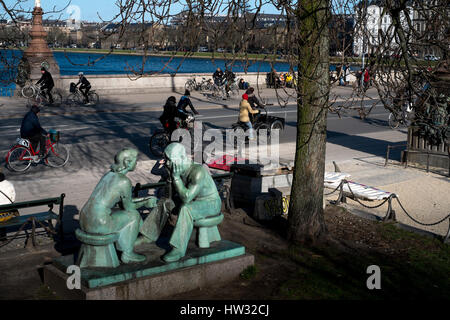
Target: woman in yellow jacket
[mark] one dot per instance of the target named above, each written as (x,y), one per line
(244,110)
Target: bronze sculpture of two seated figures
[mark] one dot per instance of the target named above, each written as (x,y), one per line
(105,227)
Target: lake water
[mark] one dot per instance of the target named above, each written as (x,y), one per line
(72,63)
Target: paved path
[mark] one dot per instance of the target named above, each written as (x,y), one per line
(358,146)
(15,107)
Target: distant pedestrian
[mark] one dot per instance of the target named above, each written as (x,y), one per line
(346,74)
(341,75)
(218,77)
(366,78)
(23,72)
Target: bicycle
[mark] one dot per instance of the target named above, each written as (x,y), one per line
(400,118)
(219,92)
(34,92)
(204,85)
(76,97)
(262,122)
(161,139)
(22,155)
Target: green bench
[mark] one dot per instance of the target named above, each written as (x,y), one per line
(23,223)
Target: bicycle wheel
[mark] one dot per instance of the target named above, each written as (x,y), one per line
(393,122)
(93,98)
(73,100)
(217,93)
(28,92)
(57,99)
(158,142)
(206,86)
(190,85)
(234,90)
(19,159)
(58,155)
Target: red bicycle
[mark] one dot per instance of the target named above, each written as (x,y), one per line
(22,154)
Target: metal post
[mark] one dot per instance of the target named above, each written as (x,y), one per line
(390,214)
(447,237)
(61,214)
(387,155)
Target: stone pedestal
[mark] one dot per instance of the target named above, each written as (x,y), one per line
(38,51)
(154,279)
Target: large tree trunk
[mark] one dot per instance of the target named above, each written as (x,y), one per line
(306,222)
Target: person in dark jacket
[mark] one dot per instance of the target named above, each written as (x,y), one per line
(170,112)
(218,77)
(183,103)
(84,87)
(252,99)
(47,84)
(31,129)
(23,72)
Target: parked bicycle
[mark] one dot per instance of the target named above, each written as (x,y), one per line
(400,117)
(161,139)
(33,92)
(76,97)
(22,155)
(220,92)
(204,85)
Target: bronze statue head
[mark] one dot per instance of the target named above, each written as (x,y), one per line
(176,153)
(125,161)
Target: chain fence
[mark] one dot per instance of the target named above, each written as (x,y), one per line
(390,214)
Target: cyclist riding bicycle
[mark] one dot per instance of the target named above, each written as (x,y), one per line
(244,110)
(183,103)
(168,117)
(47,84)
(252,99)
(85,85)
(31,129)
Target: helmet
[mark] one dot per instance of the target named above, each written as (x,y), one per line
(80,73)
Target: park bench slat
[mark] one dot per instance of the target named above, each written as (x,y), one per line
(18,221)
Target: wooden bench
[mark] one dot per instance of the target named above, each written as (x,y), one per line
(24,223)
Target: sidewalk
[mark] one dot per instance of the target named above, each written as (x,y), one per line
(425,196)
(16,107)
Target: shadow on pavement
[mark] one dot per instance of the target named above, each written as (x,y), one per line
(372,146)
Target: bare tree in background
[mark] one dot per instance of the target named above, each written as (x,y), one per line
(300,36)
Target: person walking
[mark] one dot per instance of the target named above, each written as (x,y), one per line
(218,77)
(366,79)
(346,74)
(23,72)
(341,75)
